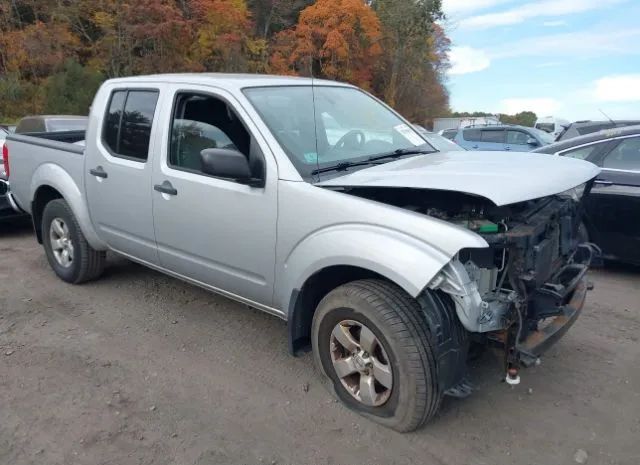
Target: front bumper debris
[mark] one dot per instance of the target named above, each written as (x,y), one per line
(539,341)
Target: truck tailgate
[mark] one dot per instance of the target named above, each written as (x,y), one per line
(30,157)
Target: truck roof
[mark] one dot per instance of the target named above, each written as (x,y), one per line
(224,79)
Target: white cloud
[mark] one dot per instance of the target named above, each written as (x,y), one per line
(555,23)
(542,8)
(618,88)
(540,106)
(466,60)
(453,7)
(585,44)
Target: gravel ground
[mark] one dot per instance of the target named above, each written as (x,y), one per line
(140,368)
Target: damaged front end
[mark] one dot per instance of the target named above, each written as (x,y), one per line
(528,287)
(525,290)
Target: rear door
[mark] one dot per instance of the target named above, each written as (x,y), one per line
(614,204)
(118,182)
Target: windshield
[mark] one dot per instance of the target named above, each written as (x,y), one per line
(58,125)
(324,126)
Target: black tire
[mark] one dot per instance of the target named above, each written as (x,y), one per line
(87,263)
(397,323)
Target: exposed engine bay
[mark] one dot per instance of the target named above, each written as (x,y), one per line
(521,291)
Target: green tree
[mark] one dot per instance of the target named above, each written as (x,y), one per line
(71,90)
(524,118)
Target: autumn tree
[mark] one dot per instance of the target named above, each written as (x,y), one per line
(273,16)
(223,37)
(335,39)
(411,72)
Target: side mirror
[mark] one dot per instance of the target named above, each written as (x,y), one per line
(226,163)
(532,141)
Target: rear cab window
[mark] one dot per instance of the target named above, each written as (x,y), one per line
(127,124)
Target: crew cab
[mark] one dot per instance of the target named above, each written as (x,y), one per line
(317,203)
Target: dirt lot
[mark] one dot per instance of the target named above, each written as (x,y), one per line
(140,368)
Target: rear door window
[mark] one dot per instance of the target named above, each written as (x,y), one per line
(473,135)
(127,126)
(493,136)
(625,156)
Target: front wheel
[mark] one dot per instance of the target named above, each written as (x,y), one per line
(371,342)
(68,252)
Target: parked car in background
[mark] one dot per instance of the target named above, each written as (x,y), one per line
(442,144)
(51,123)
(581,128)
(502,137)
(440,124)
(552,125)
(408,252)
(612,218)
(448,133)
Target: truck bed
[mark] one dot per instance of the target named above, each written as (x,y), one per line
(31,153)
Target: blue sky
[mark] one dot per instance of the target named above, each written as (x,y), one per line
(566,58)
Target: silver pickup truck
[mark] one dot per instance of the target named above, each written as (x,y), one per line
(317,203)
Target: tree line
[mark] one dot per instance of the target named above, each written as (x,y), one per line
(54,54)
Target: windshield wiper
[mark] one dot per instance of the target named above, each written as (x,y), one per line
(400,153)
(343,166)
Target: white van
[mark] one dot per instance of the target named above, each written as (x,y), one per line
(552,125)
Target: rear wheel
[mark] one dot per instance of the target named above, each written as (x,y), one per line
(67,250)
(371,342)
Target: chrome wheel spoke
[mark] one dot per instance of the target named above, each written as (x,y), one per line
(57,226)
(60,241)
(345,367)
(367,390)
(368,340)
(362,365)
(382,373)
(64,257)
(344,337)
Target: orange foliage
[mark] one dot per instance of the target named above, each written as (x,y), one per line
(336,39)
(222,32)
(37,49)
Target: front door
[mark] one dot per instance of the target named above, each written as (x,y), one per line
(118,182)
(216,231)
(614,204)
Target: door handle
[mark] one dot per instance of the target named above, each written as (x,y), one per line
(98,172)
(507,148)
(165,188)
(603,182)
(474,146)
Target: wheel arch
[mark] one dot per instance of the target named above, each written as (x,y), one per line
(51,182)
(341,253)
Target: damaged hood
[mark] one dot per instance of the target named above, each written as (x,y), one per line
(502,177)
